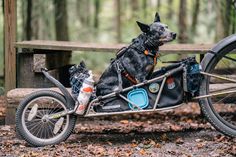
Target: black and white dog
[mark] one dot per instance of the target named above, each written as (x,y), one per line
(135,63)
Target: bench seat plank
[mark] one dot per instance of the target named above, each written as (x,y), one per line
(61,46)
(14,96)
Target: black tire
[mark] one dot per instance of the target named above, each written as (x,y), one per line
(24,133)
(206,104)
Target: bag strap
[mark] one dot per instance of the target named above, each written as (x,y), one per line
(119,69)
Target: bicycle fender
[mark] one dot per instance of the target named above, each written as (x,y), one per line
(216,49)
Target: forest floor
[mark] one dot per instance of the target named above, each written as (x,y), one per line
(179,132)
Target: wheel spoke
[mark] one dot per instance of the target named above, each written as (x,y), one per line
(34,129)
(229,58)
(223,98)
(31,125)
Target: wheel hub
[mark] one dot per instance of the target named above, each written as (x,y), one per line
(45,119)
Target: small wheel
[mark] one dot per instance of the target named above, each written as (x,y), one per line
(34,123)
(220,110)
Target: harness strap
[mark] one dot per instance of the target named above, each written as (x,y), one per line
(147,53)
(129,77)
(121,70)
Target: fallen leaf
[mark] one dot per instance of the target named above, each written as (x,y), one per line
(189,121)
(124,121)
(199,140)
(220,138)
(233,150)
(158,145)
(129,153)
(164,137)
(200,145)
(134,145)
(21,146)
(194,125)
(153,143)
(175,127)
(109,143)
(34,154)
(100,150)
(142,152)
(179,141)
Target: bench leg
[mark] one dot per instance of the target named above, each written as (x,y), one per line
(10,115)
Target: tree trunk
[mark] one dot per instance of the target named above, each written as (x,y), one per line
(196,8)
(61,20)
(28,20)
(83,11)
(97,11)
(118,20)
(223,9)
(88,12)
(183,36)
(35,20)
(61,28)
(144,8)
(135,8)
(170,9)
(3,7)
(158,5)
(234,19)
(31,20)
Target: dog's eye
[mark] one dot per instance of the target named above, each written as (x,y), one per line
(162,29)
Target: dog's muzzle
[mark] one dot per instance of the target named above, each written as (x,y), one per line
(169,37)
(173,35)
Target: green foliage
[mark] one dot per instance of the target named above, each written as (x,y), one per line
(94,60)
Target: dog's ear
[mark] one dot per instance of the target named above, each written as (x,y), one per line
(157,18)
(144,27)
(82,64)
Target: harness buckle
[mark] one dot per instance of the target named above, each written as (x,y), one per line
(119,67)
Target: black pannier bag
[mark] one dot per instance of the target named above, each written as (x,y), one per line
(112,105)
(172,93)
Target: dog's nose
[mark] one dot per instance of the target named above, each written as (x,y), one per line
(174,35)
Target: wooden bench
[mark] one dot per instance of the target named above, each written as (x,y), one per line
(29,78)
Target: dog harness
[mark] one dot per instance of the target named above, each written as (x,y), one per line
(122,72)
(153,54)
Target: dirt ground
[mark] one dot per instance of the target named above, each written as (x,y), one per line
(179,132)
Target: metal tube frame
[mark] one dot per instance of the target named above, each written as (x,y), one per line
(90,113)
(163,78)
(221,91)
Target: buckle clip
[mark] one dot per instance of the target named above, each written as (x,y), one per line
(119,67)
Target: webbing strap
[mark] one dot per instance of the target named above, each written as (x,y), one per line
(120,83)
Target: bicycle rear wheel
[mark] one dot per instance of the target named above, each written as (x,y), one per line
(220,110)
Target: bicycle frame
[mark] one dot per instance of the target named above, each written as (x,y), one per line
(90,113)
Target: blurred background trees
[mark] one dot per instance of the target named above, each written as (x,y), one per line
(106,21)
